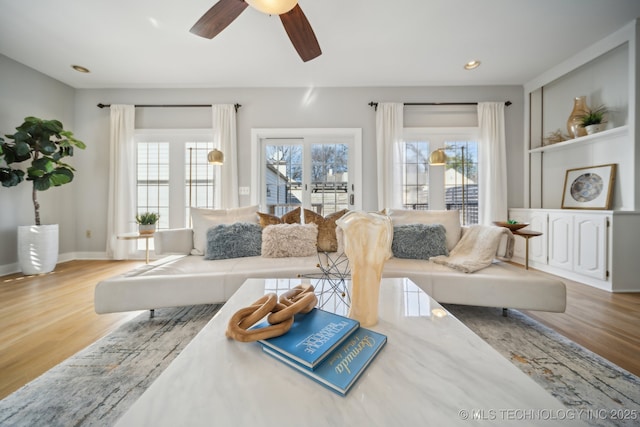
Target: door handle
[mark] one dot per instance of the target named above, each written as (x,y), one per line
(352,199)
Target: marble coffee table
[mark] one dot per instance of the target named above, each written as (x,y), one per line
(433,371)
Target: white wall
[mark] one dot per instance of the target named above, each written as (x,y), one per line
(261,108)
(26,92)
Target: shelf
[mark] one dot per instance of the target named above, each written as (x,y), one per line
(609,133)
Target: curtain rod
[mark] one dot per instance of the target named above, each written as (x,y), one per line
(101,105)
(375,104)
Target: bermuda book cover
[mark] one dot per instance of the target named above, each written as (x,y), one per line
(346,364)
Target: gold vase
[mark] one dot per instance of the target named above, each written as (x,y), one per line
(575,119)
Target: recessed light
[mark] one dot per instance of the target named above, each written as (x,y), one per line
(471,65)
(80,69)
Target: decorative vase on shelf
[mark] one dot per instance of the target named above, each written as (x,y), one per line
(367,245)
(575,119)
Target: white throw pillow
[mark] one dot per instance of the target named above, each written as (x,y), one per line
(449,219)
(202,219)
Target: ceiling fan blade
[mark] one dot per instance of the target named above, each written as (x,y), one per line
(301,34)
(218,18)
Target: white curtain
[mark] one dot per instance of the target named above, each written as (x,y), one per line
(389,126)
(492,163)
(122,181)
(224,131)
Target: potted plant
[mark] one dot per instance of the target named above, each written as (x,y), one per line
(43,144)
(593,119)
(147,222)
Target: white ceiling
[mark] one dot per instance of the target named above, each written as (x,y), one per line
(147,43)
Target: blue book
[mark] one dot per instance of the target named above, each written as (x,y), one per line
(345,364)
(312,336)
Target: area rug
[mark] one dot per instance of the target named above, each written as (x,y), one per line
(595,390)
(96,386)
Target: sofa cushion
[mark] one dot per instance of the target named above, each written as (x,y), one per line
(291,217)
(289,240)
(236,240)
(419,241)
(202,219)
(449,219)
(327,239)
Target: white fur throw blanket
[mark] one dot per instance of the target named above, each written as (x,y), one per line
(477,248)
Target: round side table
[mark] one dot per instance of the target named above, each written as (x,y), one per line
(526,234)
(137,236)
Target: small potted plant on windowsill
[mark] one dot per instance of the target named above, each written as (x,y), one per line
(593,119)
(147,222)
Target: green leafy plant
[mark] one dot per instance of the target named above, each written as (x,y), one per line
(512,221)
(44,143)
(147,218)
(593,116)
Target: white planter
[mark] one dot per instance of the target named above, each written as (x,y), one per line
(591,129)
(37,248)
(146,228)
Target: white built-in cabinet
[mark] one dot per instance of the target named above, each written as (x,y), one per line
(596,247)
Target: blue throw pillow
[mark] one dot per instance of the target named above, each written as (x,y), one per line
(419,241)
(237,240)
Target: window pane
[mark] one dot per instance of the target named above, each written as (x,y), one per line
(415,176)
(283,178)
(461,179)
(152,186)
(200,183)
(329,178)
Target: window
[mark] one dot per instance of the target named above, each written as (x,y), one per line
(163,155)
(316,169)
(452,186)
(153,180)
(415,176)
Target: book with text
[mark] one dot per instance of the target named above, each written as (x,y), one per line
(345,364)
(312,336)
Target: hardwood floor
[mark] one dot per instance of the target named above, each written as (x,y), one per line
(45,319)
(606,323)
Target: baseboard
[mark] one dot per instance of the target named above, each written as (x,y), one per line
(9,269)
(66,257)
(91,255)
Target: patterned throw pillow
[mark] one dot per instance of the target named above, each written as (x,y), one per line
(289,240)
(327,239)
(236,240)
(291,217)
(419,241)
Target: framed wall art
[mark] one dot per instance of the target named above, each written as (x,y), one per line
(589,187)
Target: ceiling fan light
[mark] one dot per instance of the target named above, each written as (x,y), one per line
(273,7)
(215,157)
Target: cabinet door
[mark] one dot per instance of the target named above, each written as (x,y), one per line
(560,240)
(590,245)
(538,245)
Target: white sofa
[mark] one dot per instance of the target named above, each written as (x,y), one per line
(181,279)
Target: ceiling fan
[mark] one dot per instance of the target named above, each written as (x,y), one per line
(293,19)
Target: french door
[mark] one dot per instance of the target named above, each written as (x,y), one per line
(316,169)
